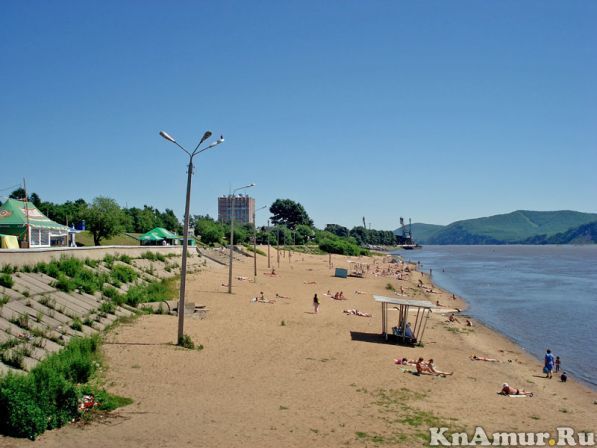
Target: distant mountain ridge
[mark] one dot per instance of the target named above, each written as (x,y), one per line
(519,227)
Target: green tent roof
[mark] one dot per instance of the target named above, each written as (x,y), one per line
(159,233)
(13,214)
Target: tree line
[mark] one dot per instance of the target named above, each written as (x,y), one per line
(291,225)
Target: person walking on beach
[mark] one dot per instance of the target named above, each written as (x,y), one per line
(316,303)
(557,364)
(549,362)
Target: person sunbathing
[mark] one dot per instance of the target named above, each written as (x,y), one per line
(452,318)
(422,367)
(356,313)
(507,390)
(405,362)
(281,296)
(435,371)
(482,358)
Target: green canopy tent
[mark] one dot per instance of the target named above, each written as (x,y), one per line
(161,236)
(27,223)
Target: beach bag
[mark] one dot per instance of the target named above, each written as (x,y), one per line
(546,369)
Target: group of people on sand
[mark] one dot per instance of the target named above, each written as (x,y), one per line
(551,364)
(428,368)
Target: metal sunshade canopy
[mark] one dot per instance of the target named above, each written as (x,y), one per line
(403,306)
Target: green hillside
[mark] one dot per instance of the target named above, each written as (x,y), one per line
(516,227)
(585,234)
(422,232)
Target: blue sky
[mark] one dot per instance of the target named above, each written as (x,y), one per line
(437,111)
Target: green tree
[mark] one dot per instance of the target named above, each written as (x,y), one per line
(337,230)
(289,213)
(171,222)
(104,219)
(303,234)
(211,232)
(19,193)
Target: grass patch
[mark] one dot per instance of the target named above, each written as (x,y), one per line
(153,256)
(123,274)
(48,396)
(85,238)
(153,292)
(6,280)
(405,423)
(390,287)
(76,324)
(185,341)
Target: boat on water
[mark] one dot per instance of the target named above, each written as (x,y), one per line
(408,242)
(411,246)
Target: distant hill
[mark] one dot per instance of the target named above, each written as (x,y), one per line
(519,227)
(585,234)
(421,232)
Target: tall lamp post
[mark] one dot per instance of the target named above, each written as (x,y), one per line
(255,242)
(185,243)
(268,245)
(232,235)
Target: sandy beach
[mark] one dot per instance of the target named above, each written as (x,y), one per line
(277,374)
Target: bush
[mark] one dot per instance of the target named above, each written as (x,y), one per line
(107,307)
(153,256)
(88,281)
(186,342)
(8,269)
(48,396)
(125,259)
(341,246)
(70,266)
(20,415)
(113,294)
(63,283)
(109,261)
(53,270)
(124,274)
(91,263)
(76,324)
(153,292)
(6,280)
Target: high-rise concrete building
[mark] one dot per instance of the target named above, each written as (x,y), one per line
(244,208)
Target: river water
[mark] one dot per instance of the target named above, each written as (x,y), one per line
(539,296)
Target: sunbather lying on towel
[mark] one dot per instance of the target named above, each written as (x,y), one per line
(507,390)
(483,358)
(357,313)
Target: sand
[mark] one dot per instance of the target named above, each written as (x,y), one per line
(280,375)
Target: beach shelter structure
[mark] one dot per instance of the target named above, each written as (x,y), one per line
(27,223)
(406,330)
(160,236)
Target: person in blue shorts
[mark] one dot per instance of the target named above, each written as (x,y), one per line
(549,362)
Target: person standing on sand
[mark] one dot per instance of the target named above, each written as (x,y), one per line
(558,362)
(316,303)
(549,362)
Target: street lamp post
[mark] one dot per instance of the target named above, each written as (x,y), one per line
(255,243)
(232,235)
(185,243)
(268,245)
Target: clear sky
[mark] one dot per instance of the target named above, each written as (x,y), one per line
(437,110)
